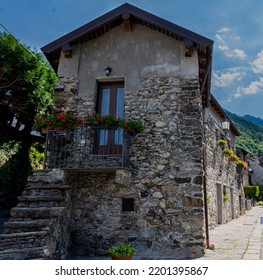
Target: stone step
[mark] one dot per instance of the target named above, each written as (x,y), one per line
(36,213)
(47,187)
(27,226)
(22,240)
(39,198)
(40,201)
(45,190)
(43,179)
(37,253)
(42,172)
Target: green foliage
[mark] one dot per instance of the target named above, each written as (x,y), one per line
(251,191)
(64,120)
(228,152)
(222,142)
(251,138)
(13,171)
(260,197)
(26,89)
(121,250)
(7,150)
(68,120)
(36,156)
(225,197)
(130,126)
(26,81)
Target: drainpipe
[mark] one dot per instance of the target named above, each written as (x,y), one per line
(205,206)
(208,245)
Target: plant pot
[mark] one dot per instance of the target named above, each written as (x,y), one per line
(122,258)
(101,126)
(44,130)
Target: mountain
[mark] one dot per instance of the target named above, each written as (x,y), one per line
(251,138)
(253,119)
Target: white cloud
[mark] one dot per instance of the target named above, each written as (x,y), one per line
(253,88)
(257,64)
(225,39)
(228,77)
(224,30)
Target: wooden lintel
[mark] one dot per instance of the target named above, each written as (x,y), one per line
(188,48)
(67,51)
(127,21)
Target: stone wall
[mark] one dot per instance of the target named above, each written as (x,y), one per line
(166,182)
(257,168)
(225,195)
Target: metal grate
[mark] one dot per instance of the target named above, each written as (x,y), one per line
(127,204)
(85,147)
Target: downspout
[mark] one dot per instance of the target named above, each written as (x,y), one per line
(208,245)
(206,79)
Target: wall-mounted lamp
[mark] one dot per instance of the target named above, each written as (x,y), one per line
(107,70)
(250,170)
(225,125)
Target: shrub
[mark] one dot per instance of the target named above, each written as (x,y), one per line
(36,156)
(121,250)
(251,191)
(260,197)
(14,170)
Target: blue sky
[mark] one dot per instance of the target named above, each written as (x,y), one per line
(236,26)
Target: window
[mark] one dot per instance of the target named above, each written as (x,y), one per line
(127,204)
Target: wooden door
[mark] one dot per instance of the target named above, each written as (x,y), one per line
(110,102)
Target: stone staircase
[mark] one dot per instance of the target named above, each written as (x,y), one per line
(39,226)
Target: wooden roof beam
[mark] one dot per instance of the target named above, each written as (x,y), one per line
(127,21)
(188,47)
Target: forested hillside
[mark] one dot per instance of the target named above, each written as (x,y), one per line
(253,119)
(251,138)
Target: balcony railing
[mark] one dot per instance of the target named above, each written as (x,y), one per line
(86,147)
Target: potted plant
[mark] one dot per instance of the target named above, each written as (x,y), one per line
(227,151)
(111,122)
(242,164)
(63,120)
(234,157)
(222,143)
(123,251)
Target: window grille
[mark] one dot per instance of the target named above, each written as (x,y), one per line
(127,204)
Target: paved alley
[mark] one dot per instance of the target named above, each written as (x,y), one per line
(239,239)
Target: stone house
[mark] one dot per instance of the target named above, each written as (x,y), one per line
(162,189)
(256,169)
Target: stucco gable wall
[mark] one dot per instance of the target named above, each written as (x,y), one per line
(131,55)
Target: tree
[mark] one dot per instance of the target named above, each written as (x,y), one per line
(26,89)
(26,84)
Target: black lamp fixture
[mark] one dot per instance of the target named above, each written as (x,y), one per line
(107,70)
(225,125)
(250,170)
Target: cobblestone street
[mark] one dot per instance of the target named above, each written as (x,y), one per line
(240,239)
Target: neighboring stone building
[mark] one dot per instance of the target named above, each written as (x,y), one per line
(256,170)
(166,194)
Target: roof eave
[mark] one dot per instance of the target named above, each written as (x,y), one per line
(221,112)
(117,12)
